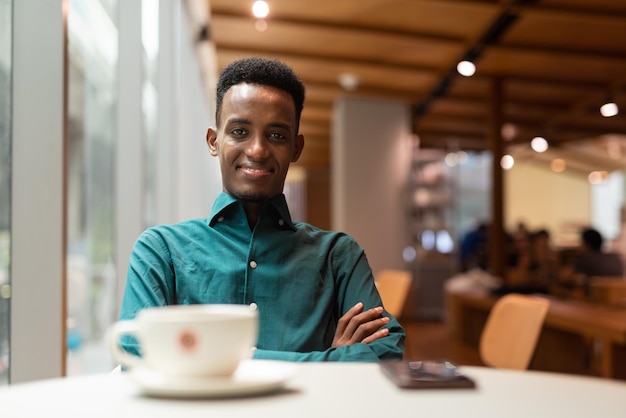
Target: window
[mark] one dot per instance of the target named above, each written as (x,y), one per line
(92,131)
(5,184)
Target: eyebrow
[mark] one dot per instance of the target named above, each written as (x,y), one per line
(279,125)
(239,120)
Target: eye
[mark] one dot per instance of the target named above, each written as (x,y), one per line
(238,132)
(278,137)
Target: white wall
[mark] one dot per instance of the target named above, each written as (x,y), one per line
(607,201)
(543,199)
(197,172)
(371,154)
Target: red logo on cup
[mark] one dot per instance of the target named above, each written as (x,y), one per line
(188,340)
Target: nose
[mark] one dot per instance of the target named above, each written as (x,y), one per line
(256,148)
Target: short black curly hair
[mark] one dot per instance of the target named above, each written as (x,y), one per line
(269,72)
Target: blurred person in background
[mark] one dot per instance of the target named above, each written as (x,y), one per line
(593,261)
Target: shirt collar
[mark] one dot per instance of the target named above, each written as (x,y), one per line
(224,201)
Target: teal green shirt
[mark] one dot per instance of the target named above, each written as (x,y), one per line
(302,279)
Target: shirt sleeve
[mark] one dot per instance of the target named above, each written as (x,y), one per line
(389,347)
(149,282)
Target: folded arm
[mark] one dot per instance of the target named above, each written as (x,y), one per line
(363,336)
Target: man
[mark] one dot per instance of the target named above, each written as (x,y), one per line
(313,289)
(593,261)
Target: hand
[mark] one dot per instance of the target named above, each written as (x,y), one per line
(356,326)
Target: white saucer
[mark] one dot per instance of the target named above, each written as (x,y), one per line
(252,377)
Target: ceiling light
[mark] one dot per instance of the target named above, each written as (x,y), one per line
(507,162)
(609,109)
(597,177)
(349,81)
(558,165)
(466,68)
(509,131)
(260,9)
(539,144)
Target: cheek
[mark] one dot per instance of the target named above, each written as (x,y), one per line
(223,159)
(228,158)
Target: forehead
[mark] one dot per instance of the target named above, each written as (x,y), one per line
(255,98)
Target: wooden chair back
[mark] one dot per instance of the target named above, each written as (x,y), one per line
(509,337)
(608,290)
(393,287)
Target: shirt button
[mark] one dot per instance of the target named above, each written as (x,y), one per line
(253,306)
(253,264)
(281,222)
(220,219)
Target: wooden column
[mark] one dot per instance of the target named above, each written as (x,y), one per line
(497,240)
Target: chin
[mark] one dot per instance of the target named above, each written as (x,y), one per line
(254,197)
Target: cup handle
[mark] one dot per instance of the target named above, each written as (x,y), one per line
(115,331)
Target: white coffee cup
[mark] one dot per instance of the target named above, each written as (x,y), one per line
(188,340)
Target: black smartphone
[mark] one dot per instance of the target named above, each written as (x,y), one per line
(426,374)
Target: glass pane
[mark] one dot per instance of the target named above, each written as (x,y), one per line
(92,126)
(5,184)
(150,44)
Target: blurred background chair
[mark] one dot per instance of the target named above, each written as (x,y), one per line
(393,286)
(607,290)
(510,335)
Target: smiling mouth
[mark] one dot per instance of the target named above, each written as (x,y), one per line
(256,172)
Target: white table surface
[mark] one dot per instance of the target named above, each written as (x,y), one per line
(323,390)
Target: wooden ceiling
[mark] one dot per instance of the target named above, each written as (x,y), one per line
(555,62)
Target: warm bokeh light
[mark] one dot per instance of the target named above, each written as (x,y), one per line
(507,162)
(349,81)
(598,177)
(260,9)
(466,68)
(509,131)
(451,159)
(539,144)
(260,25)
(609,109)
(421,197)
(558,165)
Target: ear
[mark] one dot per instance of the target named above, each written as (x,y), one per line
(211,140)
(299,146)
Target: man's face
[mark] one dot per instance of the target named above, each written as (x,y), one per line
(255,141)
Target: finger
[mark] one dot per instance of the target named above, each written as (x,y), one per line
(343,322)
(381,333)
(368,328)
(360,320)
